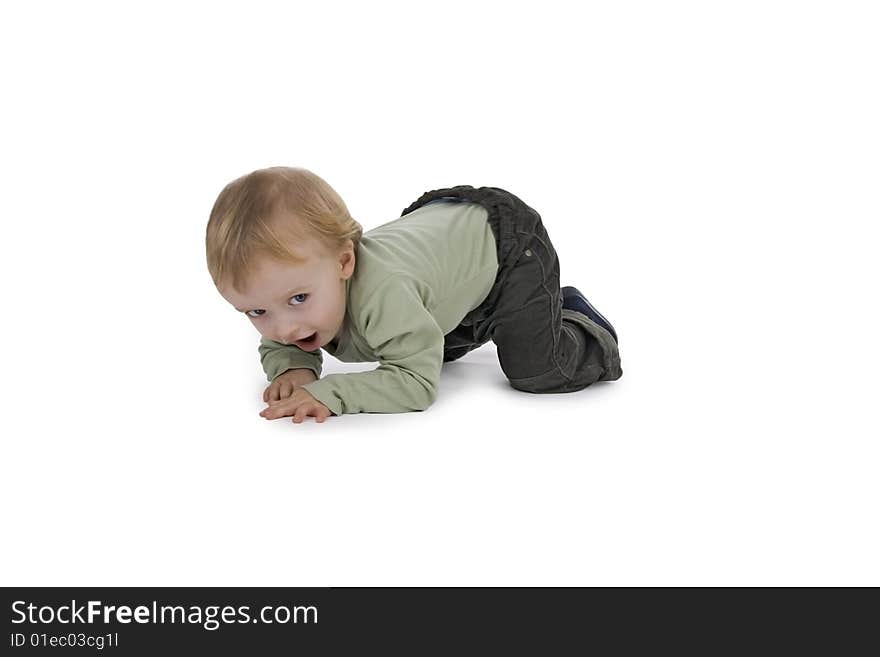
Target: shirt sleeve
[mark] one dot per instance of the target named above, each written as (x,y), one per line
(408,344)
(277,358)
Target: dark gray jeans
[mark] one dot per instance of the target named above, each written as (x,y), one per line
(542,347)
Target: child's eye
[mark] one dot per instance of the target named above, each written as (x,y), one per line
(300,299)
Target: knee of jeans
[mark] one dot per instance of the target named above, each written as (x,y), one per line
(552,384)
(547,381)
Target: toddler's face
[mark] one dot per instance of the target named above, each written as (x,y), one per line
(301,304)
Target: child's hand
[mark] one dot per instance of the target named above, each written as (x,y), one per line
(300,404)
(284,384)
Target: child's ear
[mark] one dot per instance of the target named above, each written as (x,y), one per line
(347,260)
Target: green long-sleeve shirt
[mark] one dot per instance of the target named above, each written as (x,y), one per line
(415,279)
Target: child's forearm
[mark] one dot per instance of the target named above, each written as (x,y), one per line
(277,358)
(387,389)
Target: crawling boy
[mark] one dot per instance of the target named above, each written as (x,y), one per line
(461,266)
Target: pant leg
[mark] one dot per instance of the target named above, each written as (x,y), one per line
(458,342)
(542,347)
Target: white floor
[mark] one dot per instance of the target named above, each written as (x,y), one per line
(662,477)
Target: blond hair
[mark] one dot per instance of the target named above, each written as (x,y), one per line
(267,213)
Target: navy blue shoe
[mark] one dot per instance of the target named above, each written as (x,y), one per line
(573,299)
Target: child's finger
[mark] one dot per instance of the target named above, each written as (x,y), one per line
(300,413)
(320,412)
(276,409)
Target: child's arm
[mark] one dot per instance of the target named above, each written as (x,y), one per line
(277,358)
(408,343)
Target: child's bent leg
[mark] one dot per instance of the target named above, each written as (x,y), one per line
(543,347)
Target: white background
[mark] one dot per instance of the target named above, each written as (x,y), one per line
(708,173)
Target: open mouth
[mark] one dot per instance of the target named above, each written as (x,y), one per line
(310,342)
